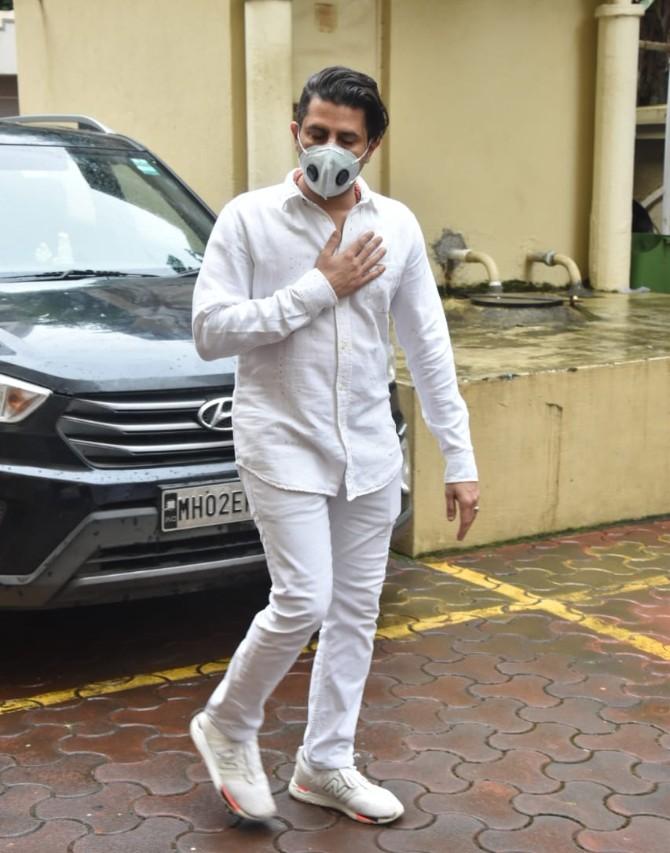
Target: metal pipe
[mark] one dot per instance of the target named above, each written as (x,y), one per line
(658,46)
(472,257)
(552,259)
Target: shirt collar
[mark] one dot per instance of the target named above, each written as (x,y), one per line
(290,190)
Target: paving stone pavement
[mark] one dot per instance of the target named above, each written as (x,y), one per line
(501,725)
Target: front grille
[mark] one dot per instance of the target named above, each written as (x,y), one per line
(173,552)
(147,429)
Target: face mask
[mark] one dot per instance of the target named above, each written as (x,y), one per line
(328,169)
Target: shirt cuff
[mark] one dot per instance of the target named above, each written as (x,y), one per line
(315,292)
(461,467)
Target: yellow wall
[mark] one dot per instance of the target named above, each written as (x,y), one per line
(168,73)
(543,463)
(491,103)
(346,32)
(491,134)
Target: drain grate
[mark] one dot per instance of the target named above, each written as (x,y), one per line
(508,300)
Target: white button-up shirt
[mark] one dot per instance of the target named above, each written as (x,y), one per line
(311,400)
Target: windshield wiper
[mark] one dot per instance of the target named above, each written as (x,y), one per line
(67,275)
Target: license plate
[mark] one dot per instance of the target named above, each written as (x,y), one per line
(204,505)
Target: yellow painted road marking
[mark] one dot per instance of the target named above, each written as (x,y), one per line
(169,676)
(526,601)
(615,590)
(115,685)
(404,630)
(520,600)
(213,668)
(582,596)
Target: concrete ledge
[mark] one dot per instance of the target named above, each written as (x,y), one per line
(556,449)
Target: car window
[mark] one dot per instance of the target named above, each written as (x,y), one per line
(62,209)
(155,198)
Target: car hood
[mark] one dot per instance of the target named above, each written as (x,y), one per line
(104,335)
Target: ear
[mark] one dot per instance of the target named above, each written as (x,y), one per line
(374,145)
(295,129)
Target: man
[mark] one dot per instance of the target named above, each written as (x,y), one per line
(299,280)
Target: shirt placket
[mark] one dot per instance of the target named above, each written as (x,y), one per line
(344,361)
(344,368)
(342,356)
(343,383)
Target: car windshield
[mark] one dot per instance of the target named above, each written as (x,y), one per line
(75,211)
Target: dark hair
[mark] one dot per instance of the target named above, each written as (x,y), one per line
(341,85)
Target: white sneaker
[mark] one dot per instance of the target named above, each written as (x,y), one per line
(235,769)
(346,790)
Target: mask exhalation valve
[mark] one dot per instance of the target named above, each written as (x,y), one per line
(328,169)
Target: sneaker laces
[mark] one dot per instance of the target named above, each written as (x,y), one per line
(354,778)
(229,759)
(242,757)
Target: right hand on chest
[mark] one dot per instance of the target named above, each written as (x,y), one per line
(352,268)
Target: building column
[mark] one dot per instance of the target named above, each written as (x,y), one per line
(269,56)
(614,149)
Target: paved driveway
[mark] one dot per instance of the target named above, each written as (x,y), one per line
(519,701)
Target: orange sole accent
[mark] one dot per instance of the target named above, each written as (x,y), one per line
(363,819)
(231,802)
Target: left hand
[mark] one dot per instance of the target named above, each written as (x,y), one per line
(466,495)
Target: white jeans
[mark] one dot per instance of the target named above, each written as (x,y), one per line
(327,560)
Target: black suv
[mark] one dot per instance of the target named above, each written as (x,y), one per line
(117,470)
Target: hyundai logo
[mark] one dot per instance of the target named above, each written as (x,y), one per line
(214,413)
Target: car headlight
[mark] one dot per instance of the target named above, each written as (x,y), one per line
(19,399)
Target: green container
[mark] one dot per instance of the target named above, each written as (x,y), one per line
(650,262)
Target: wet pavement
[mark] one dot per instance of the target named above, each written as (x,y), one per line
(519,701)
(604,328)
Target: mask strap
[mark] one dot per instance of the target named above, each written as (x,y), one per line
(302,147)
(358,159)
